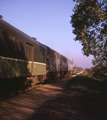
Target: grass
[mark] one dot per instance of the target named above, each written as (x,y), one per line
(93,94)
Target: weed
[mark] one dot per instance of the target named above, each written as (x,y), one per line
(93,94)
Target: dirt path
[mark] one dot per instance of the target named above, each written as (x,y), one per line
(21,107)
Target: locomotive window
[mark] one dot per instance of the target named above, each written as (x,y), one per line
(29,52)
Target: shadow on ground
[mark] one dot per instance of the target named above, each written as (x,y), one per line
(83,98)
(22,106)
(64,107)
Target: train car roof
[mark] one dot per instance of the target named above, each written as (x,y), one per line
(59,54)
(54,51)
(6,24)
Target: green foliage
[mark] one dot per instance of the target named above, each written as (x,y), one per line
(88,86)
(90,27)
(92,93)
(99,71)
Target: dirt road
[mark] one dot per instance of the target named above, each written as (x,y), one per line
(21,107)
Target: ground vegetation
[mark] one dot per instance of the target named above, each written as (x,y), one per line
(83,98)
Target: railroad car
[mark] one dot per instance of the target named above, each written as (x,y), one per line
(20,55)
(58,66)
(23,56)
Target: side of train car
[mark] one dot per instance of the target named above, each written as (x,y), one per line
(22,56)
(58,66)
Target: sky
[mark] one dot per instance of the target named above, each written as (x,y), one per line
(49,22)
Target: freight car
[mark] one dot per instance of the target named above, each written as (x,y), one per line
(23,57)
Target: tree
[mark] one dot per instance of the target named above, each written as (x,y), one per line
(90,27)
(1,16)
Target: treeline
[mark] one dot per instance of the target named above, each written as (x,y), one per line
(90,27)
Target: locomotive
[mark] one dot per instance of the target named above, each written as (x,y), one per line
(22,56)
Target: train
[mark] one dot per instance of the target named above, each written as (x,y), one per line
(22,56)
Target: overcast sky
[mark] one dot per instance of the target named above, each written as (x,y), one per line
(49,22)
